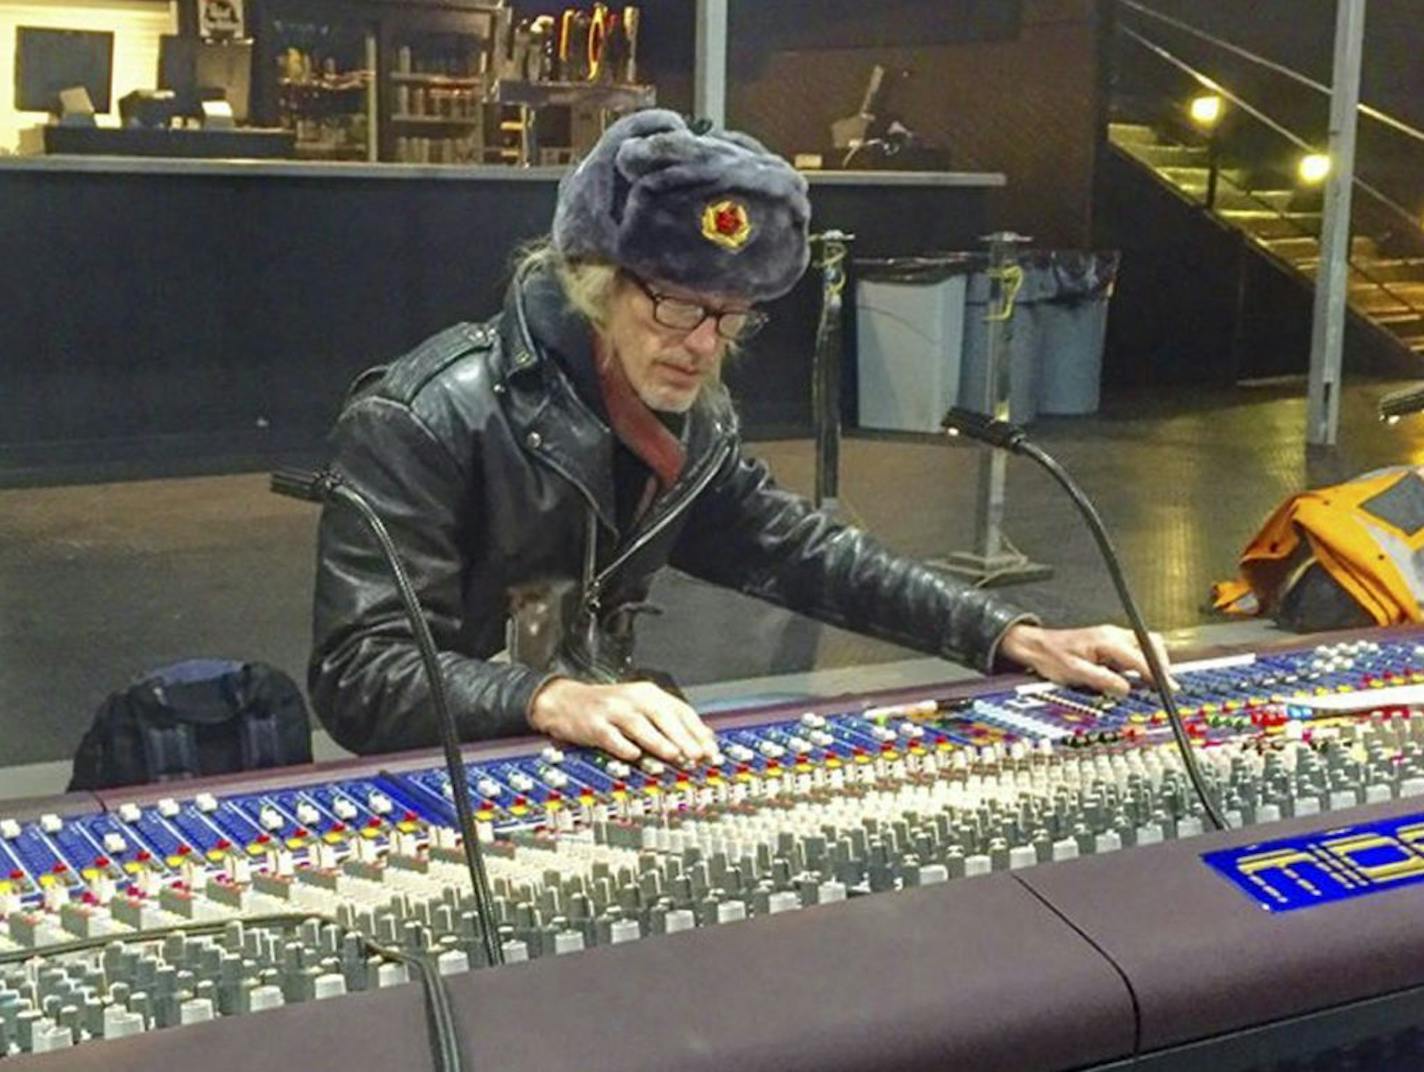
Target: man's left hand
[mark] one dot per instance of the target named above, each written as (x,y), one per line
(1091,657)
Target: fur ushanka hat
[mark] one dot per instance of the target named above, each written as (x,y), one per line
(714,212)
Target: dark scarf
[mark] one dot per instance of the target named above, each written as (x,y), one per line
(637,427)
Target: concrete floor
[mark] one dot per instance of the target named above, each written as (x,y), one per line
(103,580)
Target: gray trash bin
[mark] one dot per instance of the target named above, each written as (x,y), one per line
(1023,344)
(1072,327)
(909,338)
(1055,349)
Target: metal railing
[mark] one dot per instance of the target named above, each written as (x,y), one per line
(1387,121)
(1219,165)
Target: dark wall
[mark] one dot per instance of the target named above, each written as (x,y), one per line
(1300,34)
(231,312)
(1014,95)
(168,305)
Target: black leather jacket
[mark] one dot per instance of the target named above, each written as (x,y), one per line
(491,472)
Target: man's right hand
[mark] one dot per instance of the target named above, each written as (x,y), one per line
(624,720)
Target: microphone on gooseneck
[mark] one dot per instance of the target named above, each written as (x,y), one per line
(327,486)
(1011,437)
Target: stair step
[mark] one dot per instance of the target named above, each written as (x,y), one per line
(1277,199)
(1263,223)
(1134,133)
(1413,293)
(1304,252)
(1163,156)
(1383,306)
(1393,269)
(1184,176)
(1406,323)
(1196,176)
(1230,196)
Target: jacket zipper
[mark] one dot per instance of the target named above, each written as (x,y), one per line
(593,590)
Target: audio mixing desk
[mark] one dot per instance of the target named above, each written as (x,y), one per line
(993,875)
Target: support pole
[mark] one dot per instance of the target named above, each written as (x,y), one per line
(1332,279)
(709,74)
(993,560)
(830,249)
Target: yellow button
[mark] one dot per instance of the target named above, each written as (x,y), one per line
(333,837)
(484,815)
(175,861)
(295,842)
(216,856)
(90,873)
(133,867)
(46,881)
(255,849)
(370,833)
(5,887)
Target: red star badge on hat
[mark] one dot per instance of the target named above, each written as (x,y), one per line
(726,223)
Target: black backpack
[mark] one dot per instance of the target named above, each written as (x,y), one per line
(194,718)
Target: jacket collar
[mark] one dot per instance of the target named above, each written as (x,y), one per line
(551,415)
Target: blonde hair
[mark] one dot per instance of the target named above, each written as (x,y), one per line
(588,284)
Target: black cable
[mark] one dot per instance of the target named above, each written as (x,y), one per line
(449,739)
(1134,616)
(1010,437)
(328,486)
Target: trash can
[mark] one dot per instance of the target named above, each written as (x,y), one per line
(1057,327)
(1023,345)
(909,339)
(1072,327)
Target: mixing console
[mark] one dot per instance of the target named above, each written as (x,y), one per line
(141,913)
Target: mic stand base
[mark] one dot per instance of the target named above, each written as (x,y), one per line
(991,571)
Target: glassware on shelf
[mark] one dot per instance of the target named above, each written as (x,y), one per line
(437,90)
(325,83)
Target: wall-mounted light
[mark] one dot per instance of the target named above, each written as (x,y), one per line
(1312,168)
(1205,110)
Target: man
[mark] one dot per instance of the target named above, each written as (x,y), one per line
(583,435)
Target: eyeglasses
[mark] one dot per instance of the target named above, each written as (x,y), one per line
(736,325)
